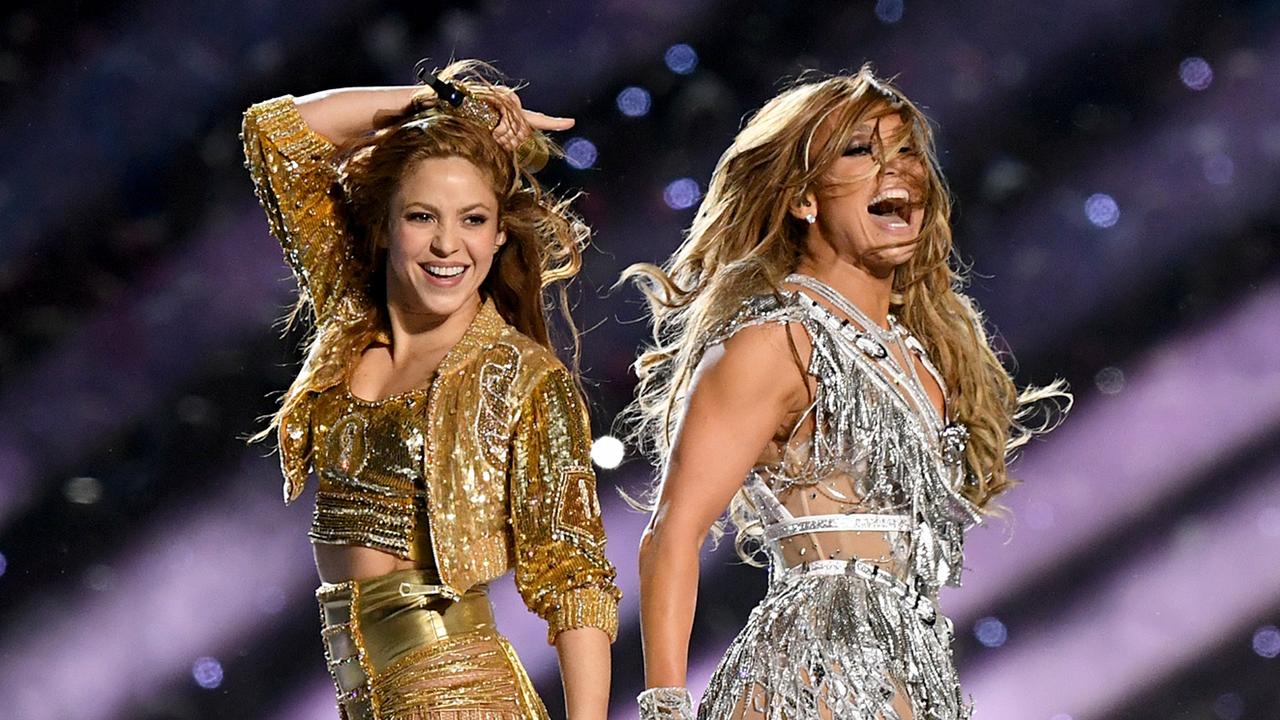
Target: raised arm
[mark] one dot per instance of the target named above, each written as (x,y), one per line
(289,147)
(741,395)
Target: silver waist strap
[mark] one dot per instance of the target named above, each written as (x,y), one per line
(864,570)
(856,522)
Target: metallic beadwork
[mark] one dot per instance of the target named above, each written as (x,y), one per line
(849,638)
(451,475)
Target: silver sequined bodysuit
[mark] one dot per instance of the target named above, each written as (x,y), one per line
(861,515)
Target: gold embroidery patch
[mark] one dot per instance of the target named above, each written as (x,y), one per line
(577,510)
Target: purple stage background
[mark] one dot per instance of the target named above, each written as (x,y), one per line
(1117,174)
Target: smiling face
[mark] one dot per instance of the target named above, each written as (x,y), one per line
(443,232)
(870,206)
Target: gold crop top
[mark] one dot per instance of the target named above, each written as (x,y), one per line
(486,471)
(368,458)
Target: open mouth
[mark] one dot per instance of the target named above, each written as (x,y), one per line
(893,205)
(444,272)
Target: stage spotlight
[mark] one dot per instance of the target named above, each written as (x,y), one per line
(607,452)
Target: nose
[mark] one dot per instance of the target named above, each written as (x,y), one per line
(445,242)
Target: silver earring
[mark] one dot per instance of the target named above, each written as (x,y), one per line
(811,218)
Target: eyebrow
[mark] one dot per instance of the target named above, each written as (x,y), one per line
(434,209)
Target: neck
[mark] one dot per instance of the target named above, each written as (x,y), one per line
(867,290)
(417,335)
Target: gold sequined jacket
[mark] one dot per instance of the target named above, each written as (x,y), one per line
(504,435)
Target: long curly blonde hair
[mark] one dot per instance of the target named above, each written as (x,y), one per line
(744,241)
(544,243)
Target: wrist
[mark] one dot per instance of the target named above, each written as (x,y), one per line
(665,703)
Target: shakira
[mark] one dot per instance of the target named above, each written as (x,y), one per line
(449,443)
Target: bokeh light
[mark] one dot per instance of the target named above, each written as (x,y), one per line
(681,194)
(1109,380)
(1228,706)
(83,490)
(889,11)
(607,451)
(1266,641)
(207,672)
(1102,210)
(4,564)
(990,632)
(1195,73)
(580,153)
(1219,169)
(681,59)
(634,101)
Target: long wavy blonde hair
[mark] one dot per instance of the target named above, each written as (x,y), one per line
(543,248)
(744,241)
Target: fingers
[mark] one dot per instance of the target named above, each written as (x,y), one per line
(539,121)
(512,128)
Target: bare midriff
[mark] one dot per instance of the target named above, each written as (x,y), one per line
(339,563)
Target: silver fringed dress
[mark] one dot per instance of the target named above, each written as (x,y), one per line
(861,516)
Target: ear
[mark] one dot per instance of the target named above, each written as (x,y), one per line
(804,204)
(501,238)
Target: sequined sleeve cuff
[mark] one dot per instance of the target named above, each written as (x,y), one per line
(279,121)
(585,607)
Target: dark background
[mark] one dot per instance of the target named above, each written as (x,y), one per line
(1116,170)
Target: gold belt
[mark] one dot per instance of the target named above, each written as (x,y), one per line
(369,624)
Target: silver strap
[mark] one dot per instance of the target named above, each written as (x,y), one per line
(869,572)
(854,522)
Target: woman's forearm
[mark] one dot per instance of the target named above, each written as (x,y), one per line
(347,113)
(585,672)
(668,596)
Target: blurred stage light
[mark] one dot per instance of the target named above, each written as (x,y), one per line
(1110,380)
(4,564)
(1219,169)
(1195,73)
(99,577)
(580,153)
(990,632)
(1061,716)
(1102,210)
(207,672)
(1229,706)
(1266,641)
(83,490)
(634,101)
(889,11)
(681,194)
(681,59)
(607,452)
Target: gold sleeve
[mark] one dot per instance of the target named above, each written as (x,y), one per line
(561,569)
(292,172)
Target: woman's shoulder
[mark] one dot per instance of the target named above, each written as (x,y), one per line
(768,311)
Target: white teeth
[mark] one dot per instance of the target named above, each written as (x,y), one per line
(445,272)
(891,194)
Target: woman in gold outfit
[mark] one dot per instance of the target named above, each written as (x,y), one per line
(449,443)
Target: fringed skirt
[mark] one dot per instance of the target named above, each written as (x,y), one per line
(399,650)
(838,640)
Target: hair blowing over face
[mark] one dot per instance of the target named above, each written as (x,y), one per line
(743,242)
(544,237)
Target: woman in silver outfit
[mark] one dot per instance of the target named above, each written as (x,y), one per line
(815,372)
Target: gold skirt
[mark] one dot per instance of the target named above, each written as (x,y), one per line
(400,650)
